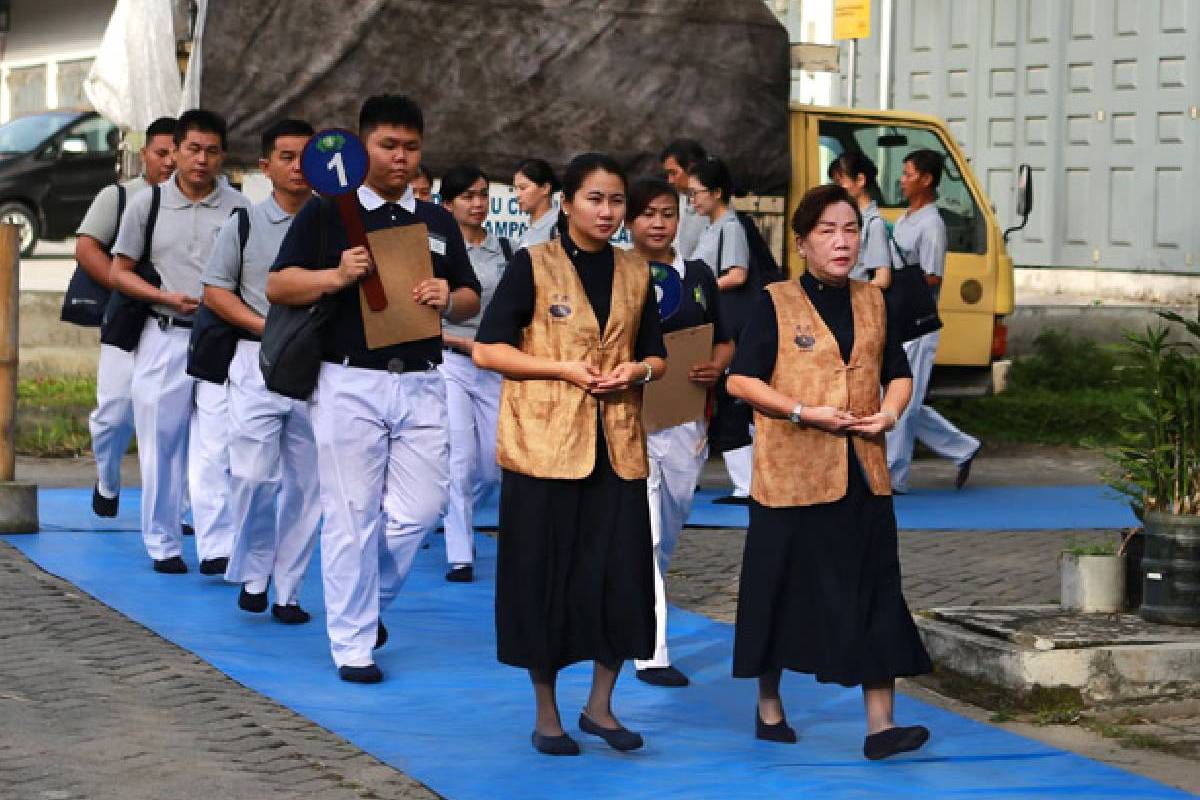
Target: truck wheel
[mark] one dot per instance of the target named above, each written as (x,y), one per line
(28,228)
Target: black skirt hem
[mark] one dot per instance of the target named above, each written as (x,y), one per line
(910,671)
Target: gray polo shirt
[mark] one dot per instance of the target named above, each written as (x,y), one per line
(488,261)
(874,250)
(184,234)
(921,237)
(101,220)
(542,228)
(692,226)
(726,237)
(268,224)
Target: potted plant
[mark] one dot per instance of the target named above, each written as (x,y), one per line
(1093,577)
(1159,466)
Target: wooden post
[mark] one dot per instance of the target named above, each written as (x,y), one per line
(9,298)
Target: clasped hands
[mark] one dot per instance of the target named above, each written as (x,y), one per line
(835,420)
(356,264)
(589,377)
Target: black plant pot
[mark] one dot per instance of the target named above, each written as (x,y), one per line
(1171,569)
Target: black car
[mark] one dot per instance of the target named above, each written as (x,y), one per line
(51,166)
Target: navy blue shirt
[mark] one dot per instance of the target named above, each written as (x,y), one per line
(344,335)
(701,303)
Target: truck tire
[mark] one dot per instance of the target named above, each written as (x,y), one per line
(29,229)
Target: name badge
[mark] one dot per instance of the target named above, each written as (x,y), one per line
(805,340)
(437,244)
(560,306)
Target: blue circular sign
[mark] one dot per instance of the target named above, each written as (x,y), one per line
(334,162)
(668,289)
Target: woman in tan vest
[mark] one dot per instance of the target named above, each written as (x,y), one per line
(573,328)
(820,587)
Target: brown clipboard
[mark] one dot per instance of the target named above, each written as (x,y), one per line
(674,399)
(403,260)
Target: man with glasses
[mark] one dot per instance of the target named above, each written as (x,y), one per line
(180,425)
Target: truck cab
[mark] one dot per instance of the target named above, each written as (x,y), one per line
(977,291)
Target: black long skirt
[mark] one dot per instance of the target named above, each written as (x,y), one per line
(820,593)
(574,578)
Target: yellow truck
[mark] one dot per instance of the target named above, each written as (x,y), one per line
(977,292)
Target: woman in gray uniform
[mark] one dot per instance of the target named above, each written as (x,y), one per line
(536,184)
(472,394)
(856,173)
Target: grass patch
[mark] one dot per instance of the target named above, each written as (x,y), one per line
(52,416)
(1067,392)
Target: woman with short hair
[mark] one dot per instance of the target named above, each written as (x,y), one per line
(573,328)
(820,586)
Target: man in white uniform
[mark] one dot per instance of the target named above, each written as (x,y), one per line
(677,159)
(379,414)
(274,494)
(167,403)
(111,424)
(920,235)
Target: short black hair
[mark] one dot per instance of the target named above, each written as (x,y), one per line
(714,175)
(928,162)
(853,163)
(424,172)
(585,164)
(163,126)
(390,109)
(203,120)
(540,172)
(686,152)
(284,127)
(814,203)
(459,179)
(645,191)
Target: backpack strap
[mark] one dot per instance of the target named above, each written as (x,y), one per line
(151,219)
(120,213)
(243,224)
(506,247)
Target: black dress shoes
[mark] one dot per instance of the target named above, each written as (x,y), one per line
(894,740)
(779,732)
(290,615)
(367,674)
(463,574)
(254,603)
(104,506)
(186,529)
(555,745)
(214,566)
(381,636)
(662,676)
(964,469)
(619,738)
(170,566)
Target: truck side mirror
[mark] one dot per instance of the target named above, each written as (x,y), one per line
(1024,190)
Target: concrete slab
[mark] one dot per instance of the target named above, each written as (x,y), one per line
(1105,656)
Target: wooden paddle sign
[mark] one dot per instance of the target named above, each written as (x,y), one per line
(335,163)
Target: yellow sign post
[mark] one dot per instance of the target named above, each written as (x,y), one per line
(852,19)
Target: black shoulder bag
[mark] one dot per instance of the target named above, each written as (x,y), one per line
(86,298)
(911,302)
(290,356)
(125,317)
(213,340)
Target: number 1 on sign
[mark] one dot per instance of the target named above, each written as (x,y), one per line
(335,163)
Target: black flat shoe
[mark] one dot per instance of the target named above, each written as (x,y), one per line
(381,636)
(367,674)
(662,676)
(779,732)
(290,615)
(555,745)
(732,500)
(893,741)
(104,506)
(254,603)
(620,738)
(186,529)
(464,574)
(170,566)
(964,470)
(214,566)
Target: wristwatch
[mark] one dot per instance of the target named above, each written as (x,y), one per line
(794,417)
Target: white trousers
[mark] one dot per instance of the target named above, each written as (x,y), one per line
(739,464)
(382,458)
(208,470)
(111,423)
(163,401)
(472,408)
(274,497)
(677,456)
(919,421)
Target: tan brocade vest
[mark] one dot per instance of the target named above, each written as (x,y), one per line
(795,465)
(547,428)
